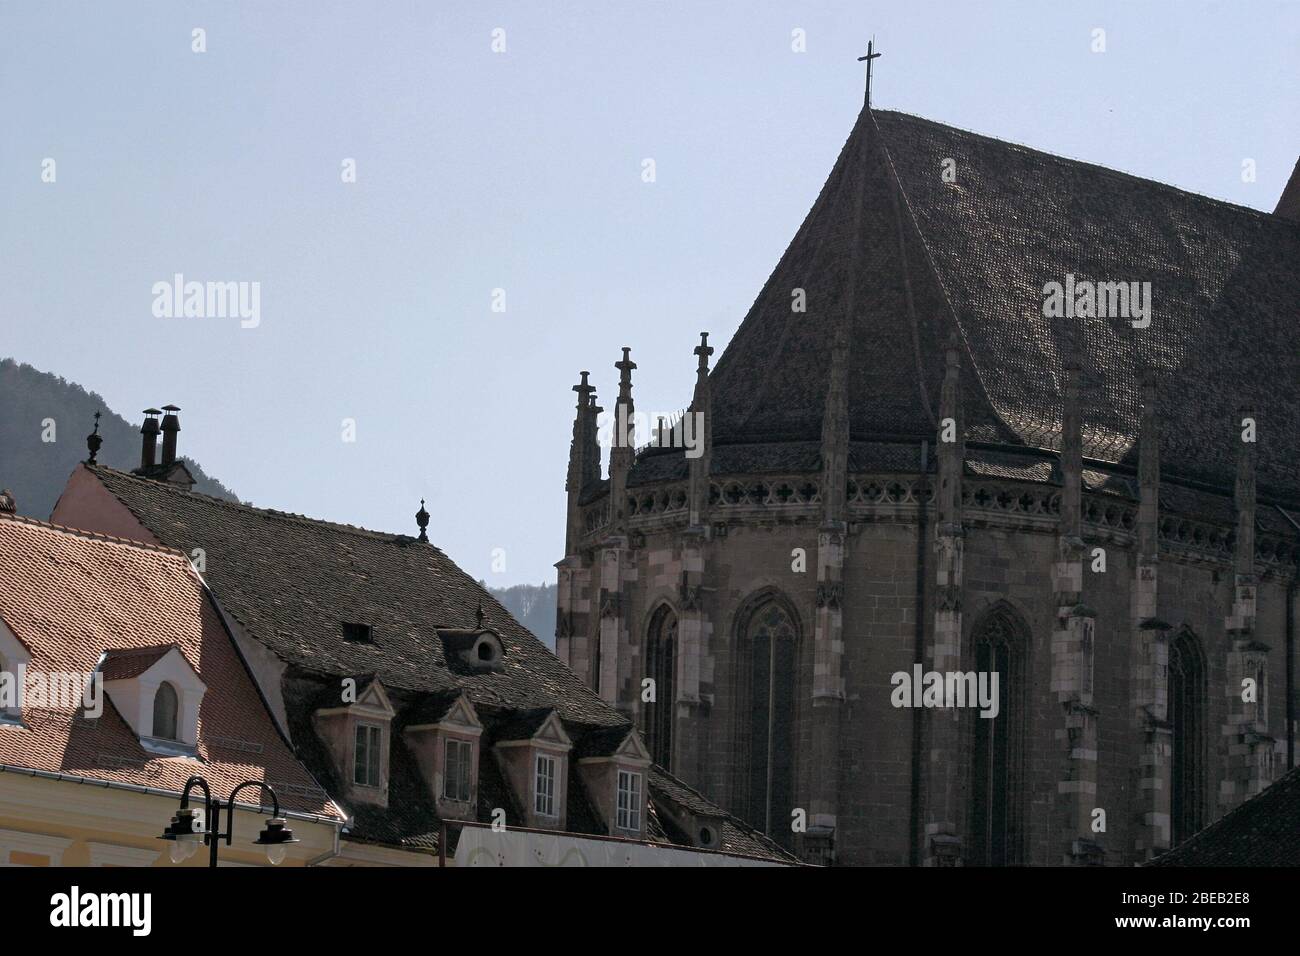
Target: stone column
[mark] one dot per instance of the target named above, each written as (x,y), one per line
(1250,747)
(1073,635)
(694,630)
(1150,651)
(945,810)
(828,621)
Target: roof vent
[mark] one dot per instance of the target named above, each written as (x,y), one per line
(473,651)
(359,633)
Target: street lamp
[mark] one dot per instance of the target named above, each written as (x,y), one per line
(191,826)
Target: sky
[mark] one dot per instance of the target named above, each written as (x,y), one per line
(516,177)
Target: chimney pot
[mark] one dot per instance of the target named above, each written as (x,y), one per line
(171,424)
(149,445)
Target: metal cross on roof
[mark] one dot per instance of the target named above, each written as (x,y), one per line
(871,55)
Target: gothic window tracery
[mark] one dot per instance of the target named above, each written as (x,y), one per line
(1186,694)
(661,666)
(768,646)
(1000,641)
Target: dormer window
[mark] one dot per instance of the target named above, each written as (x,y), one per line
(473,651)
(443,736)
(544,786)
(13,663)
(8,693)
(357,735)
(630,800)
(533,748)
(166,712)
(613,765)
(158,693)
(458,759)
(369,740)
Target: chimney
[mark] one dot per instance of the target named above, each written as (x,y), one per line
(170,426)
(149,447)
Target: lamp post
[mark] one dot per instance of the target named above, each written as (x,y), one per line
(187,829)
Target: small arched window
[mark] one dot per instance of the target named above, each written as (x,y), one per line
(165,708)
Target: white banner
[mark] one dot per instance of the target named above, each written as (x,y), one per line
(482,846)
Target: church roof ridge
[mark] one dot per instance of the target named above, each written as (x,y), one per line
(272,513)
(1101,168)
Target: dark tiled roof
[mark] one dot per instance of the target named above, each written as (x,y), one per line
(737,837)
(1224,330)
(292,582)
(521,725)
(603,742)
(1263,831)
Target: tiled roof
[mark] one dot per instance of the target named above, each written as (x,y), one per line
(977,252)
(69,596)
(291,581)
(119,664)
(1263,831)
(411,819)
(737,837)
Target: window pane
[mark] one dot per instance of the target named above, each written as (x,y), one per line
(457,771)
(164,712)
(366,763)
(628,815)
(545,786)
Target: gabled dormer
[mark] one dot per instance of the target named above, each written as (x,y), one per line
(158,692)
(444,736)
(358,736)
(14,658)
(613,765)
(533,749)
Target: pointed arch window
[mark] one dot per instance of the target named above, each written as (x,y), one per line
(1000,642)
(661,666)
(166,705)
(769,660)
(1186,699)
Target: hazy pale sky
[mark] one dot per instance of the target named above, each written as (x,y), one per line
(519,171)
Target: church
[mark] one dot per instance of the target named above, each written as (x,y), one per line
(912,463)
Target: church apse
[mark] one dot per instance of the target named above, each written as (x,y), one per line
(908,468)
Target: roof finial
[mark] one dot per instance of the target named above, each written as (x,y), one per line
(871,55)
(94,441)
(704,350)
(479,615)
(584,390)
(422,519)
